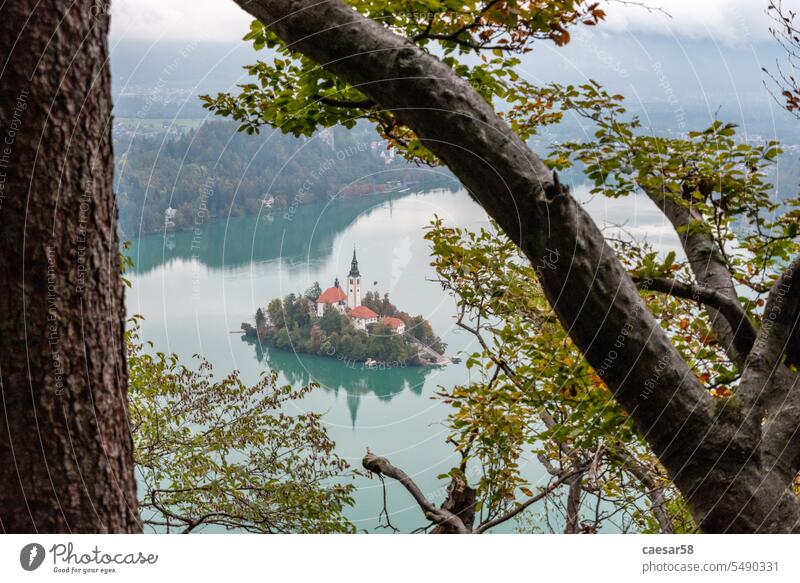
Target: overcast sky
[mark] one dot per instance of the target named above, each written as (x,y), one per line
(727,21)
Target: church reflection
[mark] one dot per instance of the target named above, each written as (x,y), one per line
(338,377)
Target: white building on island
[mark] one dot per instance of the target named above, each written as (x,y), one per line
(362,317)
(343,299)
(334,297)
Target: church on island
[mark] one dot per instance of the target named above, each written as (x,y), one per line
(348,301)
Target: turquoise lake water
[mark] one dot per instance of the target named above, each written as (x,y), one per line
(195,288)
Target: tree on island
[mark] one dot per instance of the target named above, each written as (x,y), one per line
(386,345)
(332,321)
(380,305)
(261,319)
(314,292)
(733,454)
(275,312)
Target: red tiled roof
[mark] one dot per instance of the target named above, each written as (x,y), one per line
(363,313)
(332,295)
(394,323)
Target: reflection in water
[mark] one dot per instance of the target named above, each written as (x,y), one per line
(192,301)
(335,376)
(306,234)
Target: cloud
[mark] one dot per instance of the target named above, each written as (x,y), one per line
(184,20)
(727,21)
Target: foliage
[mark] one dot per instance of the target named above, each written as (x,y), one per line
(222,453)
(786,32)
(719,177)
(261,319)
(314,291)
(417,326)
(296,95)
(533,394)
(721,182)
(530,368)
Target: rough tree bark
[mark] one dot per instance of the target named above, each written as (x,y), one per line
(712,449)
(66,461)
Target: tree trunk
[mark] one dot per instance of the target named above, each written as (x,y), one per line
(461,502)
(66,459)
(573,505)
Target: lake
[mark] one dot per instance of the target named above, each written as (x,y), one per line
(195,288)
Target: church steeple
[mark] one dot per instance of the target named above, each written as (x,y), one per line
(354,284)
(354,266)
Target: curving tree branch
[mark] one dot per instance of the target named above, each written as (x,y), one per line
(741,327)
(710,271)
(454,522)
(706,449)
(440,516)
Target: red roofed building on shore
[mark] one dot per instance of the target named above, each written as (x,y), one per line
(333,296)
(362,316)
(396,324)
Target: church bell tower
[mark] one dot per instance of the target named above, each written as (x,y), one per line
(354,284)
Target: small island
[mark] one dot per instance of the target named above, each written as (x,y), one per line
(367,331)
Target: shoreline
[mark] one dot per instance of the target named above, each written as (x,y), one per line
(348,363)
(286,210)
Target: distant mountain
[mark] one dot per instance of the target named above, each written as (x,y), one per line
(164,78)
(655,72)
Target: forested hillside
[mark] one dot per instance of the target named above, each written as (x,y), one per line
(214,171)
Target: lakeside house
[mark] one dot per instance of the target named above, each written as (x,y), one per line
(169,217)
